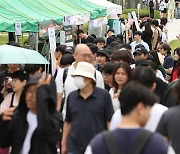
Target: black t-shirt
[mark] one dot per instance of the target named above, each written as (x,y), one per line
(169,126)
(110,39)
(125,139)
(89,39)
(160,89)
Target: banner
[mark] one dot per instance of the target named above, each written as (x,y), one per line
(135,20)
(52,41)
(18,30)
(77,19)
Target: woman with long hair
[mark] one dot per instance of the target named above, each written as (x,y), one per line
(176,69)
(121,75)
(147,34)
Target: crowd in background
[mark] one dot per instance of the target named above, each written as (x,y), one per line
(100,84)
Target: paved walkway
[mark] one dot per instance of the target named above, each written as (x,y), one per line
(173,29)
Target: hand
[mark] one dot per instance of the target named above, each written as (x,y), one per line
(7,115)
(44,80)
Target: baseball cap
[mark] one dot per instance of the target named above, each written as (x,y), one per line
(140,51)
(69,49)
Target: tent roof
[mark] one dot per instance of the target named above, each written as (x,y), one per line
(30,12)
(109,5)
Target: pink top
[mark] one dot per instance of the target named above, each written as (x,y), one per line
(6,103)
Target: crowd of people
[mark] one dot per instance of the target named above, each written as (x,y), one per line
(131,89)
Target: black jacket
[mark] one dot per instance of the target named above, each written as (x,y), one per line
(46,135)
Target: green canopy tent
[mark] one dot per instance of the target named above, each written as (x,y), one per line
(30,12)
(17,11)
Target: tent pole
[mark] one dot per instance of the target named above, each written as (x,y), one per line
(37,41)
(16,39)
(22,40)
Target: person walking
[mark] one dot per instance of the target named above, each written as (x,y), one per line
(147,35)
(65,85)
(169,125)
(121,76)
(151,8)
(136,102)
(157,34)
(177,9)
(171,8)
(163,8)
(89,111)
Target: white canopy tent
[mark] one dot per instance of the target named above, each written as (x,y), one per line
(110,6)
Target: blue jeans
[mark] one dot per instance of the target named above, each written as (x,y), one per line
(177,13)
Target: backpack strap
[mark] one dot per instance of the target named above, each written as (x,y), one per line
(141,142)
(65,74)
(111,142)
(12,99)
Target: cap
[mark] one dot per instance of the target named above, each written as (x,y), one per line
(69,49)
(140,51)
(104,52)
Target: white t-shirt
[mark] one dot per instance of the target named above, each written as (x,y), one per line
(115,100)
(156,112)
(160,75)
(6,103)
(69,85)
(32,125)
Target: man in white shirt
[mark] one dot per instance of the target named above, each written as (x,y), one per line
(138,40)
(82,53)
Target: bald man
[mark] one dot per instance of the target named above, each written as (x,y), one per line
(82,53)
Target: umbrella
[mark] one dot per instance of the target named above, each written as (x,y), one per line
(17,55)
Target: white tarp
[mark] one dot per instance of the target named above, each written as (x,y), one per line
(97,22)
(110,6)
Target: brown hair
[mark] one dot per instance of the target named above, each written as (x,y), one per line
(167,47)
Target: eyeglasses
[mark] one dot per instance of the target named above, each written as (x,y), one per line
(86,55)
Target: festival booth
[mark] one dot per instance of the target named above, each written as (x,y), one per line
(37,17)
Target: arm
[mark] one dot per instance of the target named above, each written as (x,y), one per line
(169,70)
(66,132)
(60,88)
(108,125)
(59,101)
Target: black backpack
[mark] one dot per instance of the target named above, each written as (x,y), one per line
(137,148)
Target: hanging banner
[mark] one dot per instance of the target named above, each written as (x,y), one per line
(52,38)
(52,41)
(77,19)
(135,20)
(68,35)
(18,29)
